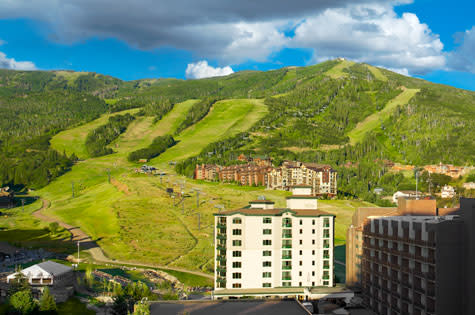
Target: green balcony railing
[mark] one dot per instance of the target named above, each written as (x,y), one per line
(221,269)
(221,280)
(287,235)
(221,236)
(326,225)
(326,277)
(326,267)
(221,226)
(326,245)
(287,224)
(286,256)
(221,258)
(287,278)
(286,245)
(221,247)
(286,267)
(326,256)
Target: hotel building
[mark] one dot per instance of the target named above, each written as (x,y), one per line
(414,259)
(261,248)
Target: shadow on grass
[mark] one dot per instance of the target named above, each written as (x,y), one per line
(39,238)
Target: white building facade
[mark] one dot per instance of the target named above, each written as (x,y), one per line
(260,247)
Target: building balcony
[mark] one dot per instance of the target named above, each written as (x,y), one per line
(221,236)
(286,267)
(326,256)
(221,280)
(221,258)
(221,247)
(326,267)
(286,245)
(221,226)
(220,269)
(289,225)
(286,278)
(326,225)
(287,235)
(326,245)
(326,277)
(286,256)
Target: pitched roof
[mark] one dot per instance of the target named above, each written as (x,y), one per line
(51,267)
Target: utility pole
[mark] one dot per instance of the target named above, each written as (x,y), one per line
(417,182)
(78,253)
(197,199)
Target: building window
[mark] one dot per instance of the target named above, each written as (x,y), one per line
(266,264)
(267,231)
(313,262)
(313,231)
(286,284)
(236,285)
(301,231)
(266,285)
(313,242)
(237,264)
(236,253)
(266,274)
(301,222)
(236,275)
(313,273)
(326,282)
(237,242)
(313,222)
(267,253)
(300,273)
(313,252)
(300,263)
(300,284)
(267,220)
(300,242)
(300,252)
(266,242)
(313,284)
(237,232)
(237,221)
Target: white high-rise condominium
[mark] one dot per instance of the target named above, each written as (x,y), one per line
(259,246)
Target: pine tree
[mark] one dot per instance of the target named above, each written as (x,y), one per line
(47,303)
(22,302)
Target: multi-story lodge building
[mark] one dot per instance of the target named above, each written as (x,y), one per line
(246,174)
(321,178)
(207,171)
(261,248)
(414,259)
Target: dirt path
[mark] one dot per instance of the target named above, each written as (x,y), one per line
(98,256)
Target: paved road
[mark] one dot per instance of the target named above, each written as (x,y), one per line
(98,256)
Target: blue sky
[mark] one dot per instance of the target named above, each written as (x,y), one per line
(433,40)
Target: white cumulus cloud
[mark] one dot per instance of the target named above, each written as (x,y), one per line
(374,34)
(201,69)
(10,63)
(463,57)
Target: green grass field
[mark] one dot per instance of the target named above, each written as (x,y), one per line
(225,119)
(374,121)
(337,71)
(377,73)
(72,140)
